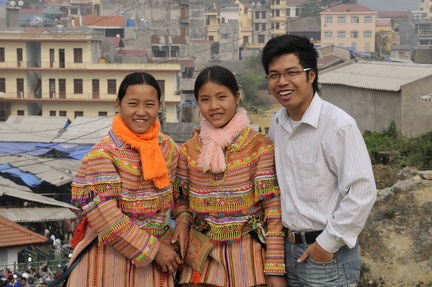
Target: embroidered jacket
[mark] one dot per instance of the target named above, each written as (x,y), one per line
(126,211)
(228,201)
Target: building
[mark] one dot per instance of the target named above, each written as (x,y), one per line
(426,6)
(278,17)
(293,7)
(65,74)
(349,25)
(377,93)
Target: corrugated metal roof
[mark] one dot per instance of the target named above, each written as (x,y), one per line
(9,188)
(32,128)
(94,129)
(383,76)
(55,171)
(37,214)
(13,234)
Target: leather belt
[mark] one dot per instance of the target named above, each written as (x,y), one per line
(302,237)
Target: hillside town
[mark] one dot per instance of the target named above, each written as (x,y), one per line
(62,62)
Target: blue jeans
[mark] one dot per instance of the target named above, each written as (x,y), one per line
(343,270)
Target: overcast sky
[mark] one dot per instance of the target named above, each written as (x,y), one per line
(391,5)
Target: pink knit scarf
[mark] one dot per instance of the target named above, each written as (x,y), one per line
(212,156)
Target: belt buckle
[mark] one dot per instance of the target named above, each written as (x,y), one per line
(291,236)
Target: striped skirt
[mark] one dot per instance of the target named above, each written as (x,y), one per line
(239,264)
(104,266)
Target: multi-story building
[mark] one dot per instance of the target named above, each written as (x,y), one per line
(278,17)
(260,24)
(349,25)
(426,5)
(293,7)
(65,74)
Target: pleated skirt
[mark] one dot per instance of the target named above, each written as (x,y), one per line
(239,264)
(104,266)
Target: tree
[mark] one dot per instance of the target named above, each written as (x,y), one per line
(252,78)
(310,7)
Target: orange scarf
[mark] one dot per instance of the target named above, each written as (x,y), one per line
(153,163)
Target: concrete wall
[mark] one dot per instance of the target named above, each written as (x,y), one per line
(373,110)
(416,113)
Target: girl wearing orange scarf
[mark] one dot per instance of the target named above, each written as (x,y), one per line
(125,188)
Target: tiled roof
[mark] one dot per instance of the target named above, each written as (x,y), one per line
(348,8)
(393,14)
(13,234)
(99,21)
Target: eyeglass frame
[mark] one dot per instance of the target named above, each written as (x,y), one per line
(285,74)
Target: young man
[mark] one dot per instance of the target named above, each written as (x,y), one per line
(323,168)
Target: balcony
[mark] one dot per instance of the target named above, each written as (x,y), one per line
(277,32)
(278,6)
(278,19)
(253,45)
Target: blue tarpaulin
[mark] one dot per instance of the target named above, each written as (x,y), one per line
(28,178)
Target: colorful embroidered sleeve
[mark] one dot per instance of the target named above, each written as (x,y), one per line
(275,257)
(181,204)
(267,189)
(182,178)
(96,176)
(118,230)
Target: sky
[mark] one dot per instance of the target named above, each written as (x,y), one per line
(391,5)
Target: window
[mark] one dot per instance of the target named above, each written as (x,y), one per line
(78,86)
(277,25)
(355,19)
(78,55)
(263,26)
(277,13)
(297,12)
(20,112)
(162,86)
(3,85)
(20,88)
(2,55)
(328,20)
(62,88)
(62,113)
(261,38)
(341,34)
(53,113)
(102,114)
(263,14)
(368,19)
(288,12)
(354,34)
(341,19)
(112,86)
(211,38)
(367,47)
(207,20)
(245,39)
(222,20)
(257,14)
(79,114)
(256,27)
(367,34)
(328,34)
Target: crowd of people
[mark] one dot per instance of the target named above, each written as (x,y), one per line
(243,208)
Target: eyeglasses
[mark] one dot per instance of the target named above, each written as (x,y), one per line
(274,76)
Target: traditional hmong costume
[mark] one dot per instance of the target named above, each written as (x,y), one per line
(229,177)
(124,186)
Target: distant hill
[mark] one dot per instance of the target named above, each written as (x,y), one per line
(391,5)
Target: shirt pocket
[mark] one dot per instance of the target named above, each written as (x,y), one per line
(311,182)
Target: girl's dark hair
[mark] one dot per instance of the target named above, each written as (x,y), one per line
(218,75)
(292,44)
(136,79)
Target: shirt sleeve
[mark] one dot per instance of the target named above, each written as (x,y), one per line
(348,158)
(117,229)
